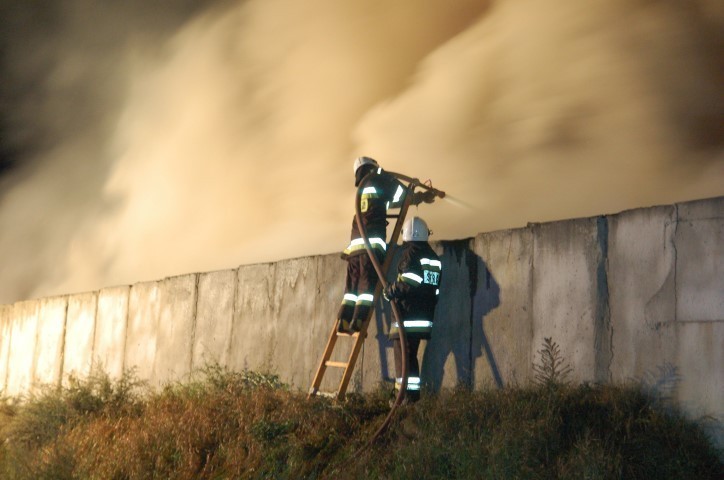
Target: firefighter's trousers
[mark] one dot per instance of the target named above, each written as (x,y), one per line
(413,367)
(358,292)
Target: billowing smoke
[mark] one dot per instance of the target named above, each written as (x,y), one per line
(141,141)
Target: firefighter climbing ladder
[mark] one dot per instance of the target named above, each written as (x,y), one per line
(358,337)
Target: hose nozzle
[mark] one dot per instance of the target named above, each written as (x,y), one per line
(430,192)
(438,193)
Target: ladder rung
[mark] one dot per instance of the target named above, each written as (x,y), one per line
(345,334)
(330,363)
(314,391)
(327,394)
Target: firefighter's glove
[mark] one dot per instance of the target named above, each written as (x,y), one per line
(428,196)
(388,293)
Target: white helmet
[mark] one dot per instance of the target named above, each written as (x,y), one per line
(360,161)
(415,230)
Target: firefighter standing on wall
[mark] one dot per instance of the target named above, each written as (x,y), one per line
(416,291)
(380,192)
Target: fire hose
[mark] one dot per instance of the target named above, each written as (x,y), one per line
(412,184)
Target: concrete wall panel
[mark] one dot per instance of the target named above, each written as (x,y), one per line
(253,333)
(214,316)
(110,336)
(502,322)
(51,338)
(278,324)
(142,331)
(642,299)
(177,312)
(6,327)
(700,359)
(700,261)
(275,306)
(565,292)
(295,293)
(22,347)
(79,334)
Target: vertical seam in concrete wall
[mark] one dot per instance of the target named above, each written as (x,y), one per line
(125,330)
(473,274)
(531,349)
(609,324)
(233,313)
(193,320)
(158,287)
(315,305)
(63,342)
(603,333)
(273,288)
(11,322)
(313,313)
(676,260)
(361,360)
(97,294)
(34,363)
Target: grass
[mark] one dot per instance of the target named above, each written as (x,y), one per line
(245,425)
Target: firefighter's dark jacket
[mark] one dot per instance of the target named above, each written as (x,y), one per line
(380,191)
(416,289)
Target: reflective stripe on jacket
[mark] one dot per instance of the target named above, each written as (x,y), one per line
(380,192)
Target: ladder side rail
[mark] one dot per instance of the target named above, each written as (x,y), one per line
(323,362)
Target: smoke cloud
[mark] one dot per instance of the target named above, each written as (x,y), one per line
(141,141)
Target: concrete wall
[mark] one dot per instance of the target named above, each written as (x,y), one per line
(109,341)
(637,295)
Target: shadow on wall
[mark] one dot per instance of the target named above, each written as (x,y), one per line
(468,292)
(486,298)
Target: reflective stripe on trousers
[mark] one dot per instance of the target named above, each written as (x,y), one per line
(413,384)
(413,326)
(349,299)
(359,244)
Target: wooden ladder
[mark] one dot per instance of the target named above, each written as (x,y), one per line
(358,337)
